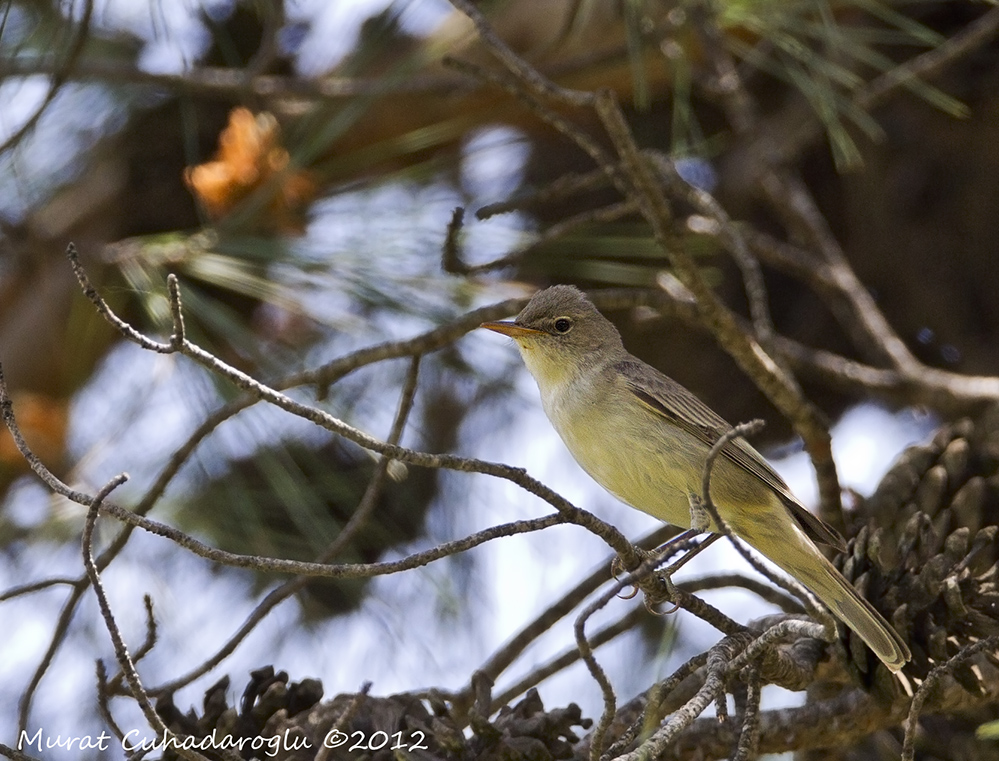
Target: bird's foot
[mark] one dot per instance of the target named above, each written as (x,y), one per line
(657,587)
(618,568)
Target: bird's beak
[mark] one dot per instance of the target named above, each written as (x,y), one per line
(511,329)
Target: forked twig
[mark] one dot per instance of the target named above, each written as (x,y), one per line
(931,682)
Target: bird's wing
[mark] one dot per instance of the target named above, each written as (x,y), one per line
(694,417)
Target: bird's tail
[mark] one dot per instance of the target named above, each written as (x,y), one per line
(799,557)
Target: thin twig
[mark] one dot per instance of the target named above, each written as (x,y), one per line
(656,708)
(540,84)
(743,430)
(600,215)
(931,682)
(625,623)
(766,592)
(145,648)
(593,666)
(60,75)
(749,735)
(425,343)
(59,632)
(105,311)
(973,36)
(326,570)
(788,584)
(178,336)
(500,660)
(714,684)
(104,700)
(36,586)
(125,662)
(566,185)
(732,238)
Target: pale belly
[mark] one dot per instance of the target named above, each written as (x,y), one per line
(653,473)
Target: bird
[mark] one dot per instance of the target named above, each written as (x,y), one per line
(645,438)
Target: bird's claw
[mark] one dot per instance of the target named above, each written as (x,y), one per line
(666,580)
(617,568)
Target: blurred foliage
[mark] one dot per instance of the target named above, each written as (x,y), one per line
(292,501)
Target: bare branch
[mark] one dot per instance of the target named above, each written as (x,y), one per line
(749,736)
(60,75)
(36,586)
(718,660)
(973,36)
(105,311)
(327,570)
(178,336)
(601,215)
(562,187)
(932,681)
(625,623)
(530,76)
(790,197)
(120,650)
(59,632)
(500,660)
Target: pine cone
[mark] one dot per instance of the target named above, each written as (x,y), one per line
(926,552)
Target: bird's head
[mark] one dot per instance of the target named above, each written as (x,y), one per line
(560,334)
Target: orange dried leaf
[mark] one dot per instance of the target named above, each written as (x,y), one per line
(251,158)
(43,421)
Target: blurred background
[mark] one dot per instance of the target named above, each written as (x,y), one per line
(296,165)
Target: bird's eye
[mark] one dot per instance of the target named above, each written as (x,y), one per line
(563,325)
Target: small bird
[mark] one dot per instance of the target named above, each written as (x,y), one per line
(645,439)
